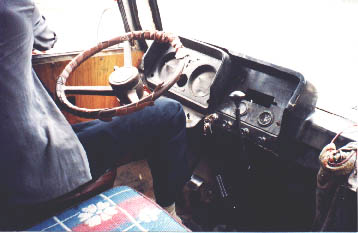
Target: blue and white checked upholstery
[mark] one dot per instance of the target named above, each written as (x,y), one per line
(118,209)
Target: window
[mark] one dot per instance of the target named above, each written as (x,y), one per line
(81,24)
(316,38)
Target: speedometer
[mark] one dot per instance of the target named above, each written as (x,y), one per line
(201,80)
(168,66)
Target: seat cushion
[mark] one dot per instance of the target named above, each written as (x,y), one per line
(118,209)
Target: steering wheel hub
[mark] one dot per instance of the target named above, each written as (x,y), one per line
(126,84)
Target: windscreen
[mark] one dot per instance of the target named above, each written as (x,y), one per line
(316,38)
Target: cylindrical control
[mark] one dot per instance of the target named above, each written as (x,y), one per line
(125,79)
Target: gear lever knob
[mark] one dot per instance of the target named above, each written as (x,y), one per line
(237,97)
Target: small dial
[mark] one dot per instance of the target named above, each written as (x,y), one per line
(265,118)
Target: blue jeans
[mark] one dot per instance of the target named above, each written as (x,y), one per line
(159,129)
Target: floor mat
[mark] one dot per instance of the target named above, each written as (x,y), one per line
(137,176)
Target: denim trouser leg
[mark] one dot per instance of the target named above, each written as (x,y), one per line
(159,129)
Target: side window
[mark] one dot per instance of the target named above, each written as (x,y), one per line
(81,24)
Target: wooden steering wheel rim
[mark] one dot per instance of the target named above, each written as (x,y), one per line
(104,113)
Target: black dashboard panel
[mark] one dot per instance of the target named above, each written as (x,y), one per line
(278,100)
(267,97)
(207,68)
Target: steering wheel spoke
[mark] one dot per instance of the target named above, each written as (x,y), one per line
(89,90)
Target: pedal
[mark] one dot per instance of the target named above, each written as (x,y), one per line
(195,182)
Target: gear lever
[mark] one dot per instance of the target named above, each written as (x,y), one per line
(237,97)
(231,170)
(239,171)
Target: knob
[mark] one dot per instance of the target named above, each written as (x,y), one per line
(245,131)
(262,139)
(224,124)
(229,124)
(237,97)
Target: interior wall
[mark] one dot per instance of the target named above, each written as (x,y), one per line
(93,72)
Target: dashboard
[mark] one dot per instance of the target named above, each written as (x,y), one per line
(277,100)
(207,69)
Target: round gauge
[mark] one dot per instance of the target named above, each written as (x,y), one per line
(168,66)
(243,108)
(265,118)
(201,80)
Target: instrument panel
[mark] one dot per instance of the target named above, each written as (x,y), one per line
(276,99)
(206,65)
(197,77)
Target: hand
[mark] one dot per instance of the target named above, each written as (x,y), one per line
(35,52)
(329,147)
(327,150)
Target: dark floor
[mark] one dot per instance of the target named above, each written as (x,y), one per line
(137,176)
(274,203)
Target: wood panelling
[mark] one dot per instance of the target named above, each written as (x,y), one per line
(93,72)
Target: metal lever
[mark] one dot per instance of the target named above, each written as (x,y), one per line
(127,54)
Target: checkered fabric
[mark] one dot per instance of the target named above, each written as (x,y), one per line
(118,209)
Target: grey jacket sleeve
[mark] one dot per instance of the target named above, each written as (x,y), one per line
(44,38)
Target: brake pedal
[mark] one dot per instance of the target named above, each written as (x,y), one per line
(195,182)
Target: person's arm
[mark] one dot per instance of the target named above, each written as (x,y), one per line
(44,38)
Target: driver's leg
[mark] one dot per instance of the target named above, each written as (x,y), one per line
(159,129)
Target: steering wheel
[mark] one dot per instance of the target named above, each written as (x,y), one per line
(125,81)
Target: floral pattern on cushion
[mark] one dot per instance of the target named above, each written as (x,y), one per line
(118,209)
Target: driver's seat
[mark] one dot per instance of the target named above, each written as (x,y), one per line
(118,209)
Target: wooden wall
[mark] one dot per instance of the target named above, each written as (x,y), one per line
(93,72)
